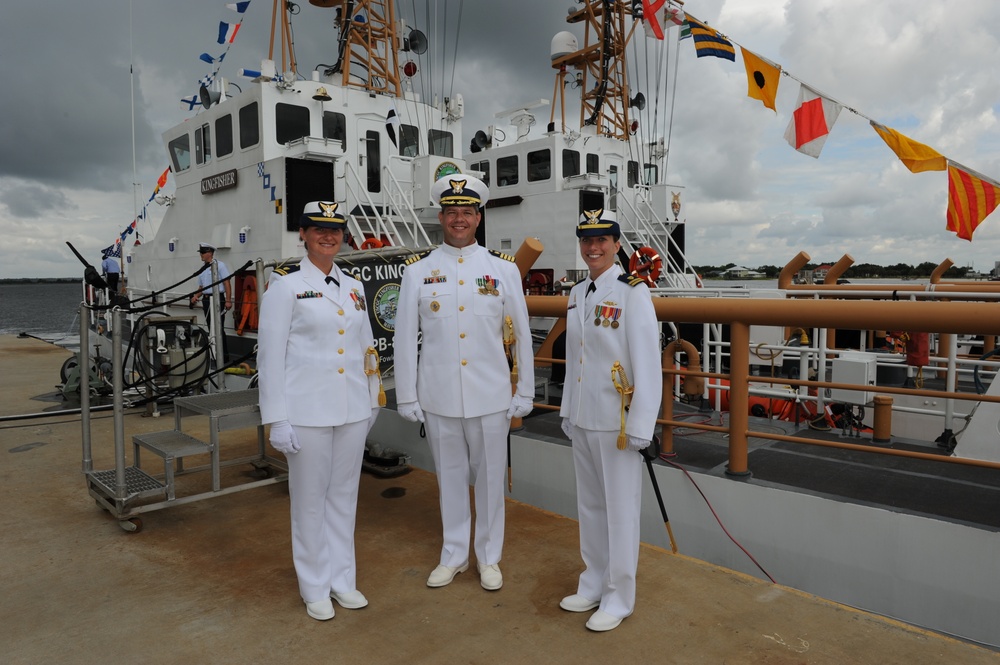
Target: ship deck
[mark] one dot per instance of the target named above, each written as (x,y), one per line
(212,581)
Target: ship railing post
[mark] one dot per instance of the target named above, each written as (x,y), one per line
(667,408)
(83,366)
(739,398)
(218,293)
(117,386)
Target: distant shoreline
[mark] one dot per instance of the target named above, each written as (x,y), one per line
(39,280)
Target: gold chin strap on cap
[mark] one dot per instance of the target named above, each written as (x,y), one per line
(624,389)
(372,368)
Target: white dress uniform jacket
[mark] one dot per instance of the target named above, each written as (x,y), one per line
(590,399)
(458,298)
(312,339)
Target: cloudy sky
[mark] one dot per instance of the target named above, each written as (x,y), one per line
(927,70)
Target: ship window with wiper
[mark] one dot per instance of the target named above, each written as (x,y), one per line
(507,171)
(539,165)
(484,168)
(203,145)
(249,127)
(593,164)
(224,135)
(633,173)
(652,174)
(571,163)
(180,153)
(441,143)
(335,127)
(409,141)
(291,122)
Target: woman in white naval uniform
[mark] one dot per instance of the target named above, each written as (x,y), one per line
(459,296)
(609,318)
(313,335)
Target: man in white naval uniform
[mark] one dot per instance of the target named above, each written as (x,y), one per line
(458,296)
(609,318)
(313,337)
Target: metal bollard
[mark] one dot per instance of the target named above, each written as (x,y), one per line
(882,427)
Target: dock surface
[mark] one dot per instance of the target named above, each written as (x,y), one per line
(212,581)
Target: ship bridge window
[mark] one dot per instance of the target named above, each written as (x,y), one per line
(249,126)
(571,163)
(652,174)
(180,153)
(291,122)
(484,167)
(335,127)
(507,171)
(409,141)
(593,164)
(633,173)
(373,155)
(203,145)
(441,143)
(224,135)
(539,165)
(613,194)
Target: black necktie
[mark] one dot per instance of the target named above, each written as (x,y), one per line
(591,289)
(332,280)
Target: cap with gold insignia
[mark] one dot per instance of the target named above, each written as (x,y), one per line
(205,247)
(460,189)
(599,222)
(324,214)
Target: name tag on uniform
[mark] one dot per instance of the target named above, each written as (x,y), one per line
(308,294)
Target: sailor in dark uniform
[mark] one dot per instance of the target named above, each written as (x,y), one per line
(313,339)
(459,296)
(609,319)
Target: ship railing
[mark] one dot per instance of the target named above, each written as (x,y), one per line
(732,368)
(380,219)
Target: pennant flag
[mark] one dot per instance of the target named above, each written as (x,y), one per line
(971,198)
(811,122)
(685,31)
(708,41)
(659,16)
(915,156)
(227,32)
(191,102)
(238,6)
(762,78)
(113,251)
(392,125)
(162,180)
(206,58)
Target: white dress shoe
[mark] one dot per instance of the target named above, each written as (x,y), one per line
(490,577)
(443,575)
(350,600)
(601,621)
(321,610)
(577,603)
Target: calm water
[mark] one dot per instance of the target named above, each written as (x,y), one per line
(49,311)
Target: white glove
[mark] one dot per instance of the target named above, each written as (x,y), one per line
(411,411)
(567,428)
(519,407)
(373,418)
(283,438)
(636,443)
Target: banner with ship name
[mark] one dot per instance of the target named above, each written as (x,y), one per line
(382,277)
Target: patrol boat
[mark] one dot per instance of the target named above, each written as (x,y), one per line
(248,163)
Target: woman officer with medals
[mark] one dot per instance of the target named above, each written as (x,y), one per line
(612,341)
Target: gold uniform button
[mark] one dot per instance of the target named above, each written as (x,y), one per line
(461,335)
(342,351)
(578,379)
(461,260)
(461,282)
(465,362)
(341,331)
(340,371)
(461,308)
(340,311)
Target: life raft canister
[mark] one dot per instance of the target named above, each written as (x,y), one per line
(646,264)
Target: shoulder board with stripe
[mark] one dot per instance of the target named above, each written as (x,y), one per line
(631,280)
(416,257)
(501,255)
(287,268)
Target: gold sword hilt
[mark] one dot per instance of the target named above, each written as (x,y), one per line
(509,340)
(372,368)
(625,389)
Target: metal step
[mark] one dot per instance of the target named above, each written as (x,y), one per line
(138,484)
(170,444)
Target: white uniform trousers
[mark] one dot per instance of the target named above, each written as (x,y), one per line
(470,450)
(609,500)
(323,480)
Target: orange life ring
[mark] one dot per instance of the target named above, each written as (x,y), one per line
(646,264)
(249,311)
(371,243)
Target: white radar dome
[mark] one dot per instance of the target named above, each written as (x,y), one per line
(563,44)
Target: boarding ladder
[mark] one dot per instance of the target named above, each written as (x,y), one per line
(641,227)
(395,218)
